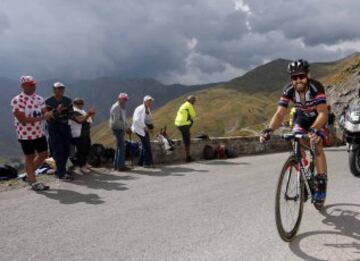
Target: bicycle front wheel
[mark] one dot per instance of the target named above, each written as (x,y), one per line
(289,200)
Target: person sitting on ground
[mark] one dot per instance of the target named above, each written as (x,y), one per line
(29,111)
(183,121)
(142,126)
(80,124)
(119,126)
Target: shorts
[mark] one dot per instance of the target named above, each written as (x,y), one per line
(303,124)
(29,147)
(185,132)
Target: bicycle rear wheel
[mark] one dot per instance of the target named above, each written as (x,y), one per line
(289,200)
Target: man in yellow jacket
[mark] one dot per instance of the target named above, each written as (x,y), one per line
(184,120)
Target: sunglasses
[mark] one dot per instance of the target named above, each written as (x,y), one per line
(79,103)
(299,76)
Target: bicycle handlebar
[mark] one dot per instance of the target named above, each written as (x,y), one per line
(291,136)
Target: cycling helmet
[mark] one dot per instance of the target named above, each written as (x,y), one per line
(298,66)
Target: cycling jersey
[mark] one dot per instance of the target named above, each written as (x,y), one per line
(315,95)
(306,112)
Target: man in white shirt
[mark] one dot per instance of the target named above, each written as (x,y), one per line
(142,125)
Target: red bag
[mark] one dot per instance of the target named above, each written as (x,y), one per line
(220,152)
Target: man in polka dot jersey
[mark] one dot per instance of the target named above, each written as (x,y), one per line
(29,111)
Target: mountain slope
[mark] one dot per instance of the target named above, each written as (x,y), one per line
(243,105)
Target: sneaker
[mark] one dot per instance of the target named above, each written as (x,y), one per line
(67,177)
(85,170)
(123,169)
(88,166)
(320,188)
(189,159)
(39,186)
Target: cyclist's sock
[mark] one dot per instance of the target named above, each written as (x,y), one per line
(320,192)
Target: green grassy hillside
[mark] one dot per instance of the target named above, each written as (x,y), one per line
(221,112)
(243,105)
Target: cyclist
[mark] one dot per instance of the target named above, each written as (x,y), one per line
(308,96)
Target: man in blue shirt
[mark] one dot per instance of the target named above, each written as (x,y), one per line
(59,128)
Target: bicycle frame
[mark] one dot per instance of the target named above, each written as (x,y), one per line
(296,152)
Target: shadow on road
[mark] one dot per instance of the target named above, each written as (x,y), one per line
(223,162)
(102,180)
(165,171)
(71,197)
(340,243)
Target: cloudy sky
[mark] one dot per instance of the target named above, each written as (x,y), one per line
(186,41)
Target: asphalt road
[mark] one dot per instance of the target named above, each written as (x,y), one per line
(210,210)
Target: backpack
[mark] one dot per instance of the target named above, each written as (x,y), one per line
(208,152)
(231,153)
(220,152)
(8,172)
(109,155)
(95,154)
(132,149)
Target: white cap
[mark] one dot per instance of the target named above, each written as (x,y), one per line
(58,85)
(148,98)
(27,79)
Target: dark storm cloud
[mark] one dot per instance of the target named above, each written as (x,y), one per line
(189,41)
(4,23)
(316,22)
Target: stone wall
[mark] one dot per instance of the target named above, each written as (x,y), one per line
(242,145)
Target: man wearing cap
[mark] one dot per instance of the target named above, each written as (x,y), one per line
(59,129)
(29,111)
(119,126)
(80,125)
(183,121)
(142,125)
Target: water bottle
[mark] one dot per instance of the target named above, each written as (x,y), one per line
(306,165)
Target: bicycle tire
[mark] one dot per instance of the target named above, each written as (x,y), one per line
(291,233)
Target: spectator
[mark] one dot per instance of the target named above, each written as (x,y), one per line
(119,126)
(142,125)
(331,126)
(59,129)
(29,111)
(80,131)
(184,120)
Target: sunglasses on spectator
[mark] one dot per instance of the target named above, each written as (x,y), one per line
(79,103)
(298,76)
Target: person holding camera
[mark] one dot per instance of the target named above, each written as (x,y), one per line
(142,125)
